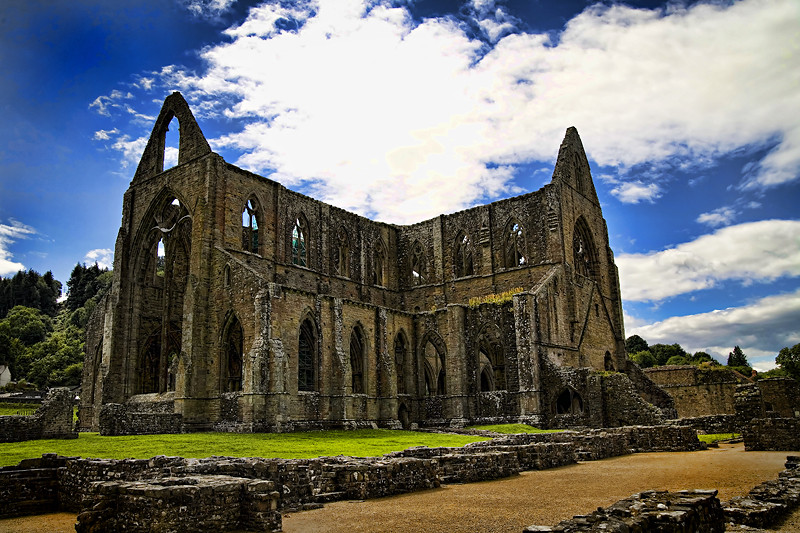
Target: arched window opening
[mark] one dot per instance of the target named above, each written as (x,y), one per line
(403,416)
(306,357)
(584,254)
(161,258)
(357,360)
(149,363)
(232,356)
(172,138)
(226,276)
(569,402)
(300,242)
(486,380)
(379,264)
(463,262)
(418,270)
(250,216)
(435,378)
(514,246)
(400,351)
(341,254)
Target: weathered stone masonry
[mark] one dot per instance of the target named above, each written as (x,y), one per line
(239,305)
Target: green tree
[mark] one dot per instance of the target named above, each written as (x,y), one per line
(789,360)
(737,358)
(635,343)
(643,358)
(27,324)
(678,360)
(663,352)
(701,357)
(85,283)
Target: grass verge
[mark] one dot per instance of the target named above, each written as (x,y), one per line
(514,428)
(358,443)
(7,409)
(714,437)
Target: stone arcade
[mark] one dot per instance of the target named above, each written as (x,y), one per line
(239,305)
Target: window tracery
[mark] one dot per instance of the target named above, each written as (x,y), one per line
(514,245)
(300,242)
(463,261)
(250,216)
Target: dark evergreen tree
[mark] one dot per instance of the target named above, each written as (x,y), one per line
(737,358)
(664,352)
(29,289)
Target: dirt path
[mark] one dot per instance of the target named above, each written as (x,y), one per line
(544,497)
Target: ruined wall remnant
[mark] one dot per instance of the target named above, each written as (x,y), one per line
(53,420)
(249,307)
(698,391)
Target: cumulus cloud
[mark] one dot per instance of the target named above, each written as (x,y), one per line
(754,251)
(760,328)
(10,233)
(104,257)
(402,119)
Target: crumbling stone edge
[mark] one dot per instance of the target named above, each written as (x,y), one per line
(766,505)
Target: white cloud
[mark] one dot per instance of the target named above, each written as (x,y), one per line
(131,149)
(9,233)
(105,135)
(633,192)
(207,8)
(104,104)
(760,328)
(402,120)
(104,257)
(718,217)
(755,251)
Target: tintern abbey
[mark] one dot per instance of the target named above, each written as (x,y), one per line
(240,305)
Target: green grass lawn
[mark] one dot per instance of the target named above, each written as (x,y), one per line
(359,443)
(18,408)
(714,437)
(514,428)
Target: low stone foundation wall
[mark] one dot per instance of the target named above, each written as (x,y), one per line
(31,487)
(122,419)
(711,424)
(690,511)
(777,434)
(770,501)
(53,420)
(202,503)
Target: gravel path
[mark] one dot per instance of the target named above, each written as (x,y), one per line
(543,497)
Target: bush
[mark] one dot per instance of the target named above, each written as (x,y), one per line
(644,359)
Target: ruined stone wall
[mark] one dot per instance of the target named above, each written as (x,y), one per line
(781,396)
(53,420)
(772,434)
(697,391)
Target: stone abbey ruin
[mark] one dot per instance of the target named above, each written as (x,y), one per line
(239,305)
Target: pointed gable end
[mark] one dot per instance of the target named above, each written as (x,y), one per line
(192,143)
(572,167)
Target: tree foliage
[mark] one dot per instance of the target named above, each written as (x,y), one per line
(643,358)
(635,343)
(45,351)
(29,289)
(737,357)
(663,352)
(789,361)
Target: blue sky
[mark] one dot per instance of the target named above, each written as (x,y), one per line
(689,112)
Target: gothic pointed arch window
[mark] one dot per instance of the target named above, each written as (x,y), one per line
(341,254)
(569,402)
(400,355)
(463,261)
(584,253)
(418,265)
(379,263)
(435,374)
(514,252)
(232,360)
(149,363)
(307,357)
(357,353)
(300,242)
(491,365)
(250,219)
